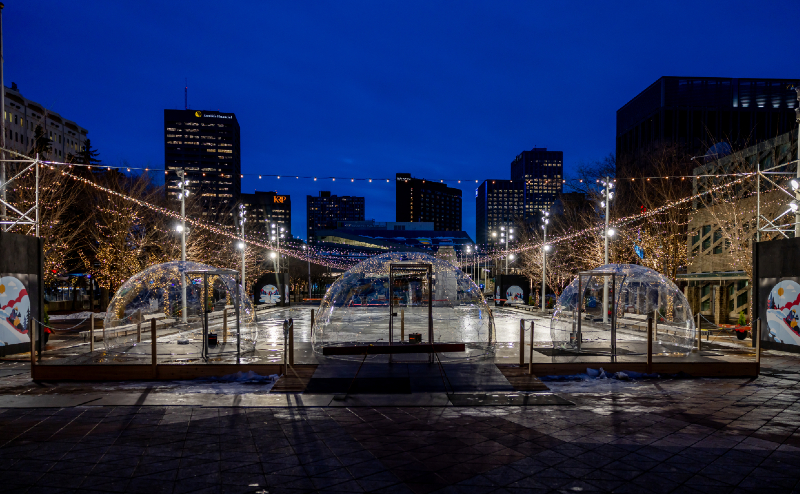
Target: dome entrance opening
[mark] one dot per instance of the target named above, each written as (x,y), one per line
(403,299)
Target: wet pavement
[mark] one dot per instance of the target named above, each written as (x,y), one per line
(642,436)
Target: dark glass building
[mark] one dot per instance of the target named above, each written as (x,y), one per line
(497,203)
(205,144)
(542,171)
(325,211)
(267,208)
(418,199)
(698,112)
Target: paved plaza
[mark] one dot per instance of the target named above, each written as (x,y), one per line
(656,435)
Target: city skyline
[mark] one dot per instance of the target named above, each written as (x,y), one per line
(404,95)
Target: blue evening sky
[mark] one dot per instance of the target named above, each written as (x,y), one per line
(440,89)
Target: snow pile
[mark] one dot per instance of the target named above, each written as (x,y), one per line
(77,315)
(244,377)
(597,380)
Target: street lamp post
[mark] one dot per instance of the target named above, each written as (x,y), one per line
(545,248)
(797,192)
(184,193)
(242,220)
(608,194)
(308,258)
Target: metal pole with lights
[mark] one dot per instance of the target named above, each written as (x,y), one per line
(242,220)
(797,166)
(545,248)
(305,247)
(182,229)
(608,194)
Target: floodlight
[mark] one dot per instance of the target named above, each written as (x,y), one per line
(241,245)
(179,228)
(795,184)
(611,232)
(272,255)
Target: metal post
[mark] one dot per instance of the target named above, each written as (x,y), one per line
(578,335)
(291,341)
(614,316)
(309,281)
(91,334)
(32,332)
(758,341)
(236,310)
(530,356)
(797,167)
(3,191)
(312,322)
(139,325)
(521,342)
(153,351)
(36,165)
(225,325)
(649,344)
(699,333)
(402,325)
(544,266)
(182,175)
(758,200)
(607,190)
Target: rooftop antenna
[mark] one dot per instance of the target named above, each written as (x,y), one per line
(186,95)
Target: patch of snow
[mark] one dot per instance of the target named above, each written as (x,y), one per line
(78,315)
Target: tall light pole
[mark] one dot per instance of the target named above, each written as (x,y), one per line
(608,194)
(797,165)
(3,191)
(308,258)
(545,248)
(242,246)
(182,229)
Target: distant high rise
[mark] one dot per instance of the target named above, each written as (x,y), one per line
(325,211)
(698,112)
(497,203)
(267,208)
(205,144)
(418,199)
(542,171)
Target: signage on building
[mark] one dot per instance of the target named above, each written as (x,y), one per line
(200,114)
(279,199)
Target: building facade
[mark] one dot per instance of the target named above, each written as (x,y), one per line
(22,116)
(716,284)
(206,146)
(497,203)
(418,199)
(325,211)
(268,208)
(542,172)
(384,225)
(698,112)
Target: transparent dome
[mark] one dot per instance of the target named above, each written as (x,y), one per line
(356,308)
(635,293)
(156,293)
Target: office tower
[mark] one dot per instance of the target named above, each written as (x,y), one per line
(268,208)
(205,145)
(542,172)
(698,112)
(323,212)
(497,203)
(418,199)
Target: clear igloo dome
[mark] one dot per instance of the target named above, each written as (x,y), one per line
(356,308)
(156,293)
(635,294)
